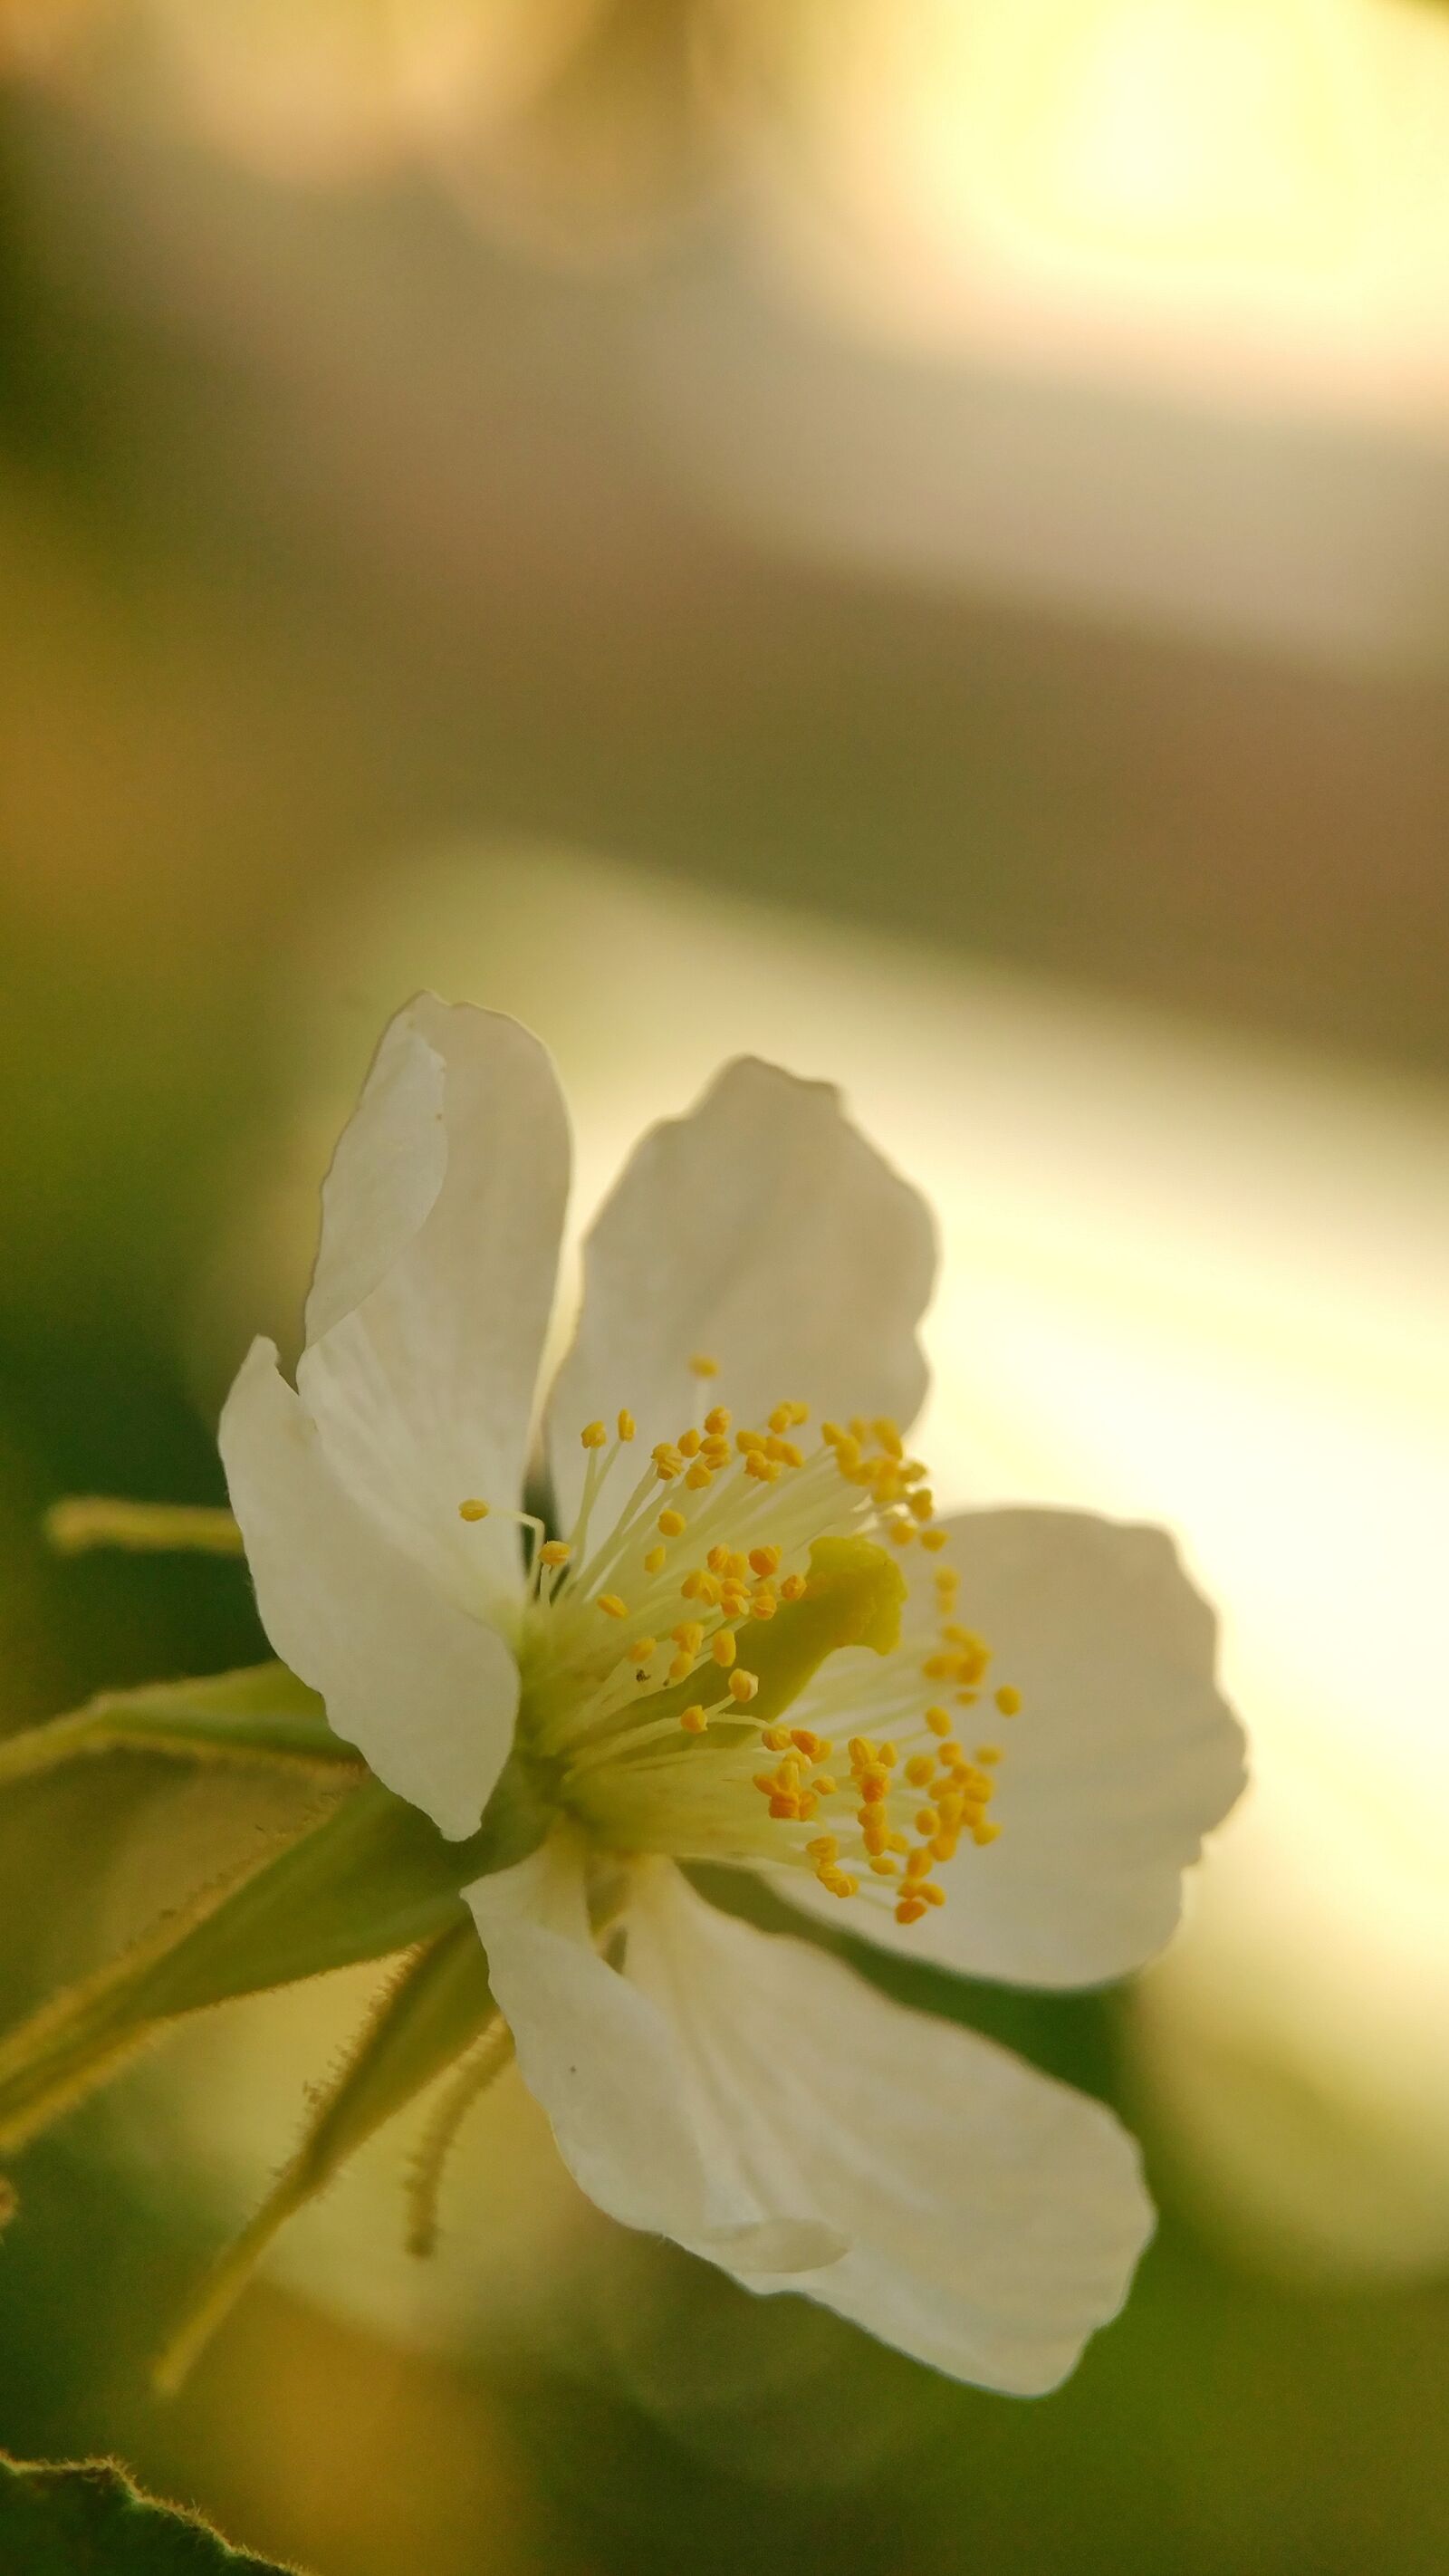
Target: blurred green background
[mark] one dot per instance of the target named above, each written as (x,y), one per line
(927,521)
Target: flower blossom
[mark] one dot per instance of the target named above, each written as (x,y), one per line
(744,1637)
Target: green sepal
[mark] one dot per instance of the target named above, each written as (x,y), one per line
(425,2020)
(374,1877)
(85,2518)
(261,1713)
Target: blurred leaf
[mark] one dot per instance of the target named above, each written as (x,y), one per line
(262,1713)
(81,1521)
(373,1878)
(423,2023)
(86,2519)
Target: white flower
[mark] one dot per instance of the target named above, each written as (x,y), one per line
(765,1650)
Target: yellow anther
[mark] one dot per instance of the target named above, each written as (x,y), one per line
(688,1634)
(612,1607)
(718,1560)
(785,1805)
(928,1822)
(939,1721)
(641,1650)
(703,1366)
(722,1647)
(918,1864)
(888,1435)
(718,1418)
(766,1471)
(693,1720)
(554,1551)
(688,1444)
(987,1753)
(473,1509)
(734,1601)
(873,1785)
(847,1453)
(840,1883)
(831,1434)
(782,1417)
(922,1503)
(743,1685)
(823,1785)
(920,1768)
(860,1749)
(884,1866)
(776,1739)
(693,1581)
(887,1754)
(671,1524)
(681,1665)
(750,1443)
(654,1561)
(784,1452)
(933,1539)
(933,1894)
(910,1910)
(699,1476)
(594,1435)
(1008,1700)
(667,1463)
(807,1742)
(765,1560)
(984,1833)
(763,1603)
(627,1426)
(739,1568)
(715,1453)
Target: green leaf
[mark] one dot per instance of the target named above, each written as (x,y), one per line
(82,1521)
(431,2014)
(373,1878)
(261,1713)
(85,2518)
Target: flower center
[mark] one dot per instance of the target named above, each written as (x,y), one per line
(680,1671)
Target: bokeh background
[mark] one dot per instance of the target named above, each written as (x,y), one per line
(911,536)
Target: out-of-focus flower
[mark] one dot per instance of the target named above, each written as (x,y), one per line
(674,1677)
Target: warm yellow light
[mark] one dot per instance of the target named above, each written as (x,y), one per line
(1174,129)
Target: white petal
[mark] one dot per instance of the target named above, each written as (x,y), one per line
(614,2075)
(441,1222)
(426,1693)
(761,1230)
(1123,1756)
(992,2217)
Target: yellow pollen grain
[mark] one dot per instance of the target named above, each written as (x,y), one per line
(654,1561)
(983,1833)
(718,1419)
(765,1471)
(723,1647)
(554,1551)
(701,1365)
(612,1607)
(743,1685)
(671,1524)
(594,1435)
(920,1768)
(765,1560)
(688,1634)
(987,1753)
(939,1721)
(688,1444)
(693,1720)
(793,1588)
(1008,1700)
(473,1509)
(763,1604)
(823,1785)
(627,1426)
(884,1866)
(699,1476)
